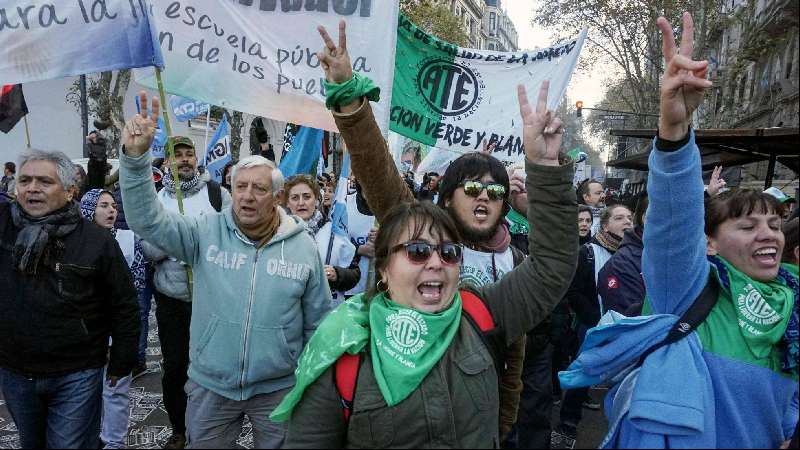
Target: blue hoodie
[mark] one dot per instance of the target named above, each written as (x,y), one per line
(254,309)
(739,403)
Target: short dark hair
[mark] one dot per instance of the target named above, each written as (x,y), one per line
(583,189)
(472,165)
(586,209)
(790,232)
(426,216)
(641,209)
(11,167)
(737,203)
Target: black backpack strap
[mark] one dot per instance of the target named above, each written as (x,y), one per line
(692,318)
(214,195)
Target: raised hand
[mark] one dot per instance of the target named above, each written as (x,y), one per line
(335,60)
(542,133)
(137,136)
(684,81)
(716,183)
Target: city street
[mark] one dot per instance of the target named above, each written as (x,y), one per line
(149,426)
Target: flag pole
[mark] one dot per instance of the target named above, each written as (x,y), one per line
(205,143)
(27,131)
(173,165)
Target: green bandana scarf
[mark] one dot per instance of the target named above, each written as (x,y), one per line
(763,309)
(407,343)
(347,330)
(518,224)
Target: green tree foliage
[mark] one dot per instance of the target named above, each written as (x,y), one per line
(436,19)
(624,35)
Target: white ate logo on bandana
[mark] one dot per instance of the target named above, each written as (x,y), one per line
(755,310)
(405,331)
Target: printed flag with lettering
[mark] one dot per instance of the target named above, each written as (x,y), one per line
(12,106)
(185,108)
(42,41)
(218,153)
(455,98)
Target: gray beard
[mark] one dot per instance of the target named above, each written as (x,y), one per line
(183,177)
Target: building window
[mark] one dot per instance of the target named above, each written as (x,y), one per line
(492,21)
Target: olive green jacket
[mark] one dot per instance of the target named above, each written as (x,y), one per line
(456,405)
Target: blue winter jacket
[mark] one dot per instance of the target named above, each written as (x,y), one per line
(254,309)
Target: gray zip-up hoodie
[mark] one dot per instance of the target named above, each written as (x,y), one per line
(253,309)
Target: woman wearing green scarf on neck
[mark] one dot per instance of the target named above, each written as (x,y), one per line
(427,376)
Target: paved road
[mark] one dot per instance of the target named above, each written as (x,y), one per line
(149,425)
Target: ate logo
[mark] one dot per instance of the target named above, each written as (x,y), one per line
(613,283)
(449,88)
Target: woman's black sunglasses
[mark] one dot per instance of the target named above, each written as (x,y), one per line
(419,252)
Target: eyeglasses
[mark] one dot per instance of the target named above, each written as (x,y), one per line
(421,252)
(473,188)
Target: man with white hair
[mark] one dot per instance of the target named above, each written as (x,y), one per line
(65,288)
(259,291)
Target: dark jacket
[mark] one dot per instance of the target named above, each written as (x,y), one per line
(60,320)
(620,282)
(457,404)
(582,292)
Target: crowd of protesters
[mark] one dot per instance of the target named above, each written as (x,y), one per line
(455,313)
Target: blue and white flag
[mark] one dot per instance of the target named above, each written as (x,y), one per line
(339,208)
(218,153)
(42,41)
(159,145)
(304,152)
(185,108)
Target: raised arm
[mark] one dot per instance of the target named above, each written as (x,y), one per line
(370,159)
(174,233)
(674,262)
(524,297)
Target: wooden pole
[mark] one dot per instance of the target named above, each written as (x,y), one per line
(27,130)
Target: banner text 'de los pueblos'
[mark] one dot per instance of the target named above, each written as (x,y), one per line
(260,57)
(455,98)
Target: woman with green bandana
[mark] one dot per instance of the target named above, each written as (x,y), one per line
(732,381)
(427,376)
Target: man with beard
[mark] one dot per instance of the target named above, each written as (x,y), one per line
(173,292)
(591,194)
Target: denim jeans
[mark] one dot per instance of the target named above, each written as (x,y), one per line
(116,404)
(55,412)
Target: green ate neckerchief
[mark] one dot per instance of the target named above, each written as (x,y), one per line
(518,224)
(763,309)
(407,343)
(347,330)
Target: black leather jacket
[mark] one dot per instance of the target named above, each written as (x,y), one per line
(59,321)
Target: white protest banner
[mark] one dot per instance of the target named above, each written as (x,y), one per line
(259,57)
(455,98)
(42,41)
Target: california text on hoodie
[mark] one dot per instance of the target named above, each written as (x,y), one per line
(253,309)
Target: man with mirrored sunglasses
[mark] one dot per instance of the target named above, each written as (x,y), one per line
(474,191)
